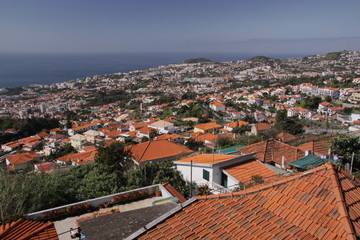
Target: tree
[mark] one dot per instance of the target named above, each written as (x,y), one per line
(153,133)
(224,141)
(328,99)
(292,125)
(96,184)
(115,159)
(161,172)
(348,110)
(241,130)
(344,146)
(203,190)
(194,145)
(62,151)
(310,102)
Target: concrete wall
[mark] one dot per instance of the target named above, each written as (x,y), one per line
(96,202)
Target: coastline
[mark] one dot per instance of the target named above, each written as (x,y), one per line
(24,69)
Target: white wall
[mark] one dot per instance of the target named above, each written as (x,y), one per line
(197,173)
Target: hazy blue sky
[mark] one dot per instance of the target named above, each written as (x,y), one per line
(251,26)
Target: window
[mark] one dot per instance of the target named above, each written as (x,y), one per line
(206,175)
(224,180)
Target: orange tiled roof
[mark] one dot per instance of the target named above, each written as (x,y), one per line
(42,134)
(272,151)
(12,144)
(169,136)
(82,157)
(19,158)
(29,230)
(285,137)
(55,130)
(326,104)
(317,147)
(152,150)
(262,126)
(173,192)
(114,134)
(207,126)
(322,203)
(217,104)
(236,124)
(244,172)
(207,158)
(206,136)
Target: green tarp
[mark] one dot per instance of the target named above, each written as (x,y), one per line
(309,161)
(231,149)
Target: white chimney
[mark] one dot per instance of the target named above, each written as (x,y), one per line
(283,162)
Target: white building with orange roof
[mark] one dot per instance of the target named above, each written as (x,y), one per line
(222,172)
(237,124)
(207,127)
(324,107)
(217,106)
(163,127)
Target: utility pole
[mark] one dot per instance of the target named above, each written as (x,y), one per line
(352,162)
(190,178)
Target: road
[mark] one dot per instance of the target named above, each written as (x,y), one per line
(208,113)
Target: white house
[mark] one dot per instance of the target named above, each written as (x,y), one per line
(163,127)
(216,106)
(209,169)
(354,116)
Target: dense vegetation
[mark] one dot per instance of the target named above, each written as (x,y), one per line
(25,127)
(112,172)
(198,60)
(103,97)
(345,147)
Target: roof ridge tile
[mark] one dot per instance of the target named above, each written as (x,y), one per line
(340,202)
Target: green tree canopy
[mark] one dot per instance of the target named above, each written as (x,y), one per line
(114,159)
(345,146)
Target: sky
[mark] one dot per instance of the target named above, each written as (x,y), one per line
(117,26)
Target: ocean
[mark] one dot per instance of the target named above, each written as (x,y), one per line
(25,69)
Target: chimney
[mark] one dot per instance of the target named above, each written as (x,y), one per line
(283,162)
(307,152)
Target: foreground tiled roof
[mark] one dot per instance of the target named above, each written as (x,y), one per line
(244,172)
(158,149)
(29,230)
(272,151)
(323,203)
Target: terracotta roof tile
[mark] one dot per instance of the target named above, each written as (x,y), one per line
(173,192)
(318,147)
(207,126)
(244,172)
(19,158)
(286,209)
(273,151)
(159,149)
(25,229)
